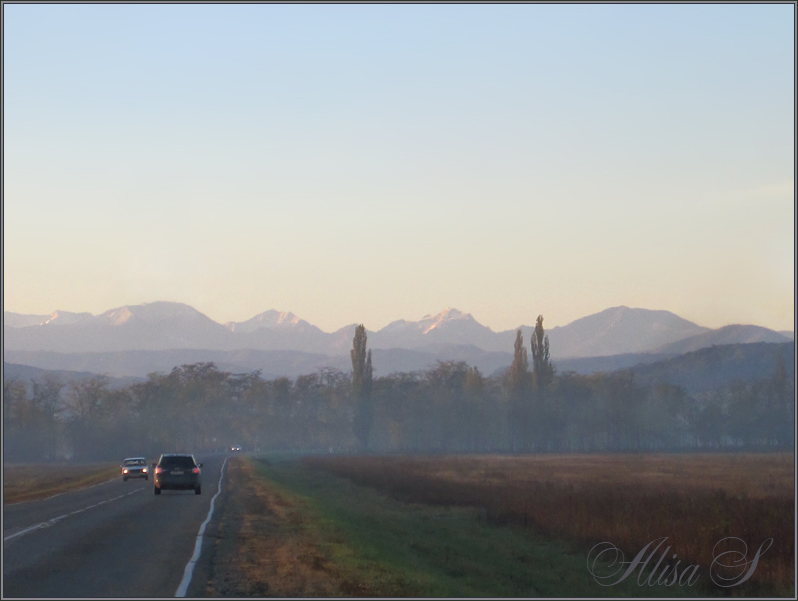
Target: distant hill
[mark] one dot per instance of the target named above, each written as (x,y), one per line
(25,373)
(734,334)
(394,360)
(620,330)
(273,364)
(591,365)
(141,363)
(704,369)
(716,366)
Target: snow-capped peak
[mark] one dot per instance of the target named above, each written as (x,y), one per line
(116,317)
(429,323)
(267,319)
(66,317)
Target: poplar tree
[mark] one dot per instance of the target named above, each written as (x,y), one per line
(362,376)
(518,384)
(546,412)
(519,370)
(542,370)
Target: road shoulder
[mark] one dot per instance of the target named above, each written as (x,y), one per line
(261,548)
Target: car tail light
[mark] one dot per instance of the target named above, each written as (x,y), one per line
(144,470)
(124,471)
(195,470)
(158,470)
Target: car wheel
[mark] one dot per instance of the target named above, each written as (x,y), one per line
(198,490)
(156,490)
(124,479)
(146,477)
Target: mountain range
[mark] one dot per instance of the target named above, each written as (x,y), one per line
(166,325)
(137,339)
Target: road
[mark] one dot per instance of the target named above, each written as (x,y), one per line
(115,539)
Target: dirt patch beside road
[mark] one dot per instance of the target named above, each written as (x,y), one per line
(263,549)
(32,481)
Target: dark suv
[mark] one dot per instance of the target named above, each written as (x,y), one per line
(177,471)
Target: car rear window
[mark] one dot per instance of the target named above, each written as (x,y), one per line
(177,462)
(134,462)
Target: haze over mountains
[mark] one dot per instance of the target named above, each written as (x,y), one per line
(734,334)
(156,336)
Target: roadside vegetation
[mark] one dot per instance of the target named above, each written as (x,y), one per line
(629,500)
(292,529)
(28,482)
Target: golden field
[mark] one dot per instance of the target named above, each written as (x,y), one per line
(696,500)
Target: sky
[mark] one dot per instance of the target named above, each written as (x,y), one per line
(362,164)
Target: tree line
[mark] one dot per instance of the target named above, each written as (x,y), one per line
(450,407)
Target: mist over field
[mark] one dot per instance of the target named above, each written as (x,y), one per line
(438,397)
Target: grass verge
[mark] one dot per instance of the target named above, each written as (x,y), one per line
(306,532)
(28,482)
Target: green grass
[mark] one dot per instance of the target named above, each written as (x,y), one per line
(399,549)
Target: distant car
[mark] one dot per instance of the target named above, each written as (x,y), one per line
(234,449)
(135,467)
(177,471)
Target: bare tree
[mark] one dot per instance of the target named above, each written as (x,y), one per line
(47,396)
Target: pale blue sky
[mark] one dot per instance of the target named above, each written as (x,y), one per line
(370,163)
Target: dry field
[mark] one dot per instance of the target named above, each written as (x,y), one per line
(289,530)
(629,500)
(30,481)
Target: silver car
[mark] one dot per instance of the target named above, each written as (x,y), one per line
(135,467)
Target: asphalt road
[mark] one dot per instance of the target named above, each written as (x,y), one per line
(115,539)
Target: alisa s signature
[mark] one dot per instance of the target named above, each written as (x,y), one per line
(729,568)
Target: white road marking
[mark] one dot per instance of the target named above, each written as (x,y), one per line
(189,571)
(53,521)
